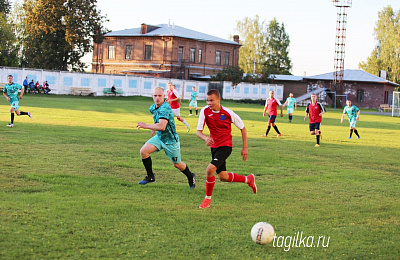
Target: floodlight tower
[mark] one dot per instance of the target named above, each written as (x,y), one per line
(341,23)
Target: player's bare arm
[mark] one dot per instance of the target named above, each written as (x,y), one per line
(281,111)
(160,126)
(244,152)
(209,141)
(5,95)
(265,111)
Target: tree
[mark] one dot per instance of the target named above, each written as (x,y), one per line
(386,55)
(253,37)
(278,61)
(58,33)
(230,73)
(8,49)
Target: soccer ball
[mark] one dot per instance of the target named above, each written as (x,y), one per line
(262,233)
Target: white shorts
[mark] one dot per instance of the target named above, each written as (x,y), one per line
(176,111)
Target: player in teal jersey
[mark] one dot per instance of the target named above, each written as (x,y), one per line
(353,113)
(291,106)
(10,92)
(164,137)
(193,101)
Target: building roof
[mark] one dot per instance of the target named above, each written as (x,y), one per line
(286,77)
(354,75)
(171,30)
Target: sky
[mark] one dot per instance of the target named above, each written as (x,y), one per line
(310,24)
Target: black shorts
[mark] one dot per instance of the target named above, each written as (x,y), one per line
(219,156)
(314,126)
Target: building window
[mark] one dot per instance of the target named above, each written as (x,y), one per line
(227,58)
(147,52)
(180,55)
(200,55)
(218,57)
(128,52)
(192,54)
(360,95)
(111,52)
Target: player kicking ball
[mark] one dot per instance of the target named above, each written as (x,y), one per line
(353,113)
(164,137)
(219,120)
(10,92)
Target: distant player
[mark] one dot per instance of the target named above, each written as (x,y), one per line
(174,101)
(193,101)
(291,106)
(10,92)
(353,113)
(165,138)
(315,110)
(219,120)
(271,105)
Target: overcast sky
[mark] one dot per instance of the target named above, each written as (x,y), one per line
(310,24)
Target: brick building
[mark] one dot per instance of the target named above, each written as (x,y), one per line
(168,51)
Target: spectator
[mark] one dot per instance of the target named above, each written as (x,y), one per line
(47,88)
(37,86)
(32,86)
(25,84)
(113,90)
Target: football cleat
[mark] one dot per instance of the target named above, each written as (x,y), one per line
(146,180)
(194,182)
(251,181)
(279,135)
(30,114)
(317,145)
(358,137)
(205,204)
(10,125)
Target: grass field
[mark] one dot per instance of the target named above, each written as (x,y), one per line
(68,186)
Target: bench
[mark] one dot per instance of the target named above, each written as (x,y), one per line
(384,107)
(107,91)
(81,91)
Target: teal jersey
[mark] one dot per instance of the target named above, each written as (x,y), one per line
(351,112)
(12,91)
(193,96)
(290,102)
(169,135)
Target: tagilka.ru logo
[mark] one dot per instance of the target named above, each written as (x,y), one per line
(298,240)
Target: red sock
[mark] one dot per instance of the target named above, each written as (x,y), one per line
(210,185)
(233,177)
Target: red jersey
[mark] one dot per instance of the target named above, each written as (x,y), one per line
(219,123)
(172,95)
(272,105)
(314,110)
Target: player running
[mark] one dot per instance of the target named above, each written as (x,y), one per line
(10,92)
(353,113)
(193,101)
(315,110)
(219,120)
(291,106)
(166,138)
(271,105)
(174,101)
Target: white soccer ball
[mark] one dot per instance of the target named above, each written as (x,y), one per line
(262,233)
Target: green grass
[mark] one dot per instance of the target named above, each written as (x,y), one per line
(68,186)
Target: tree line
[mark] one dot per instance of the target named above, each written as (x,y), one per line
(49,34)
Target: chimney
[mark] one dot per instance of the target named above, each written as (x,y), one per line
(143,28)
(236,38)
(383,74)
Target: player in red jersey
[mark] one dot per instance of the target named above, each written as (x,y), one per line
(219,120)
(315,110)
(271,105)
(174,101)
